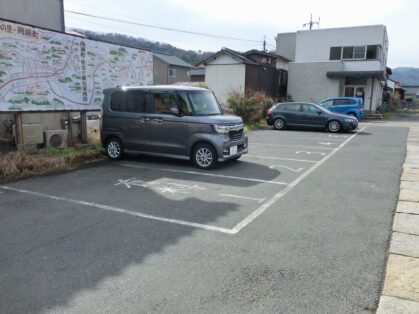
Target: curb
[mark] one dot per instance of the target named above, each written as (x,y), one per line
(401,284)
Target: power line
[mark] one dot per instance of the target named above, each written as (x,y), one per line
(161,27)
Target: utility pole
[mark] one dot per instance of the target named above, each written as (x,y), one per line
(264,43)
(312,23)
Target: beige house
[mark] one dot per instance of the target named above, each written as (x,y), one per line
(169,69)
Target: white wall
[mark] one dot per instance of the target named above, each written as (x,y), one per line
(222,79)
(285,45)
(281,64)
(308,81)
(314,45)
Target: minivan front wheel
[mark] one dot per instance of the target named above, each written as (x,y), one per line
(114,148)
(334,126)
(204,156)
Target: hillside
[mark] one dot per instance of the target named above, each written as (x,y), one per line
(406,76)
(189,56)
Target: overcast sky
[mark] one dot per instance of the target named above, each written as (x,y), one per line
(251,20)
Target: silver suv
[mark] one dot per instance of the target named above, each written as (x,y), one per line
(170,121)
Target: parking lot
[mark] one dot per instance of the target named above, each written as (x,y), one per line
(70,241)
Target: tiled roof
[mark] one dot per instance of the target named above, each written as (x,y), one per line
(172,60)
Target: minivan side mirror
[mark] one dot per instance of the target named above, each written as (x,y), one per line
(319,112)
(174,111)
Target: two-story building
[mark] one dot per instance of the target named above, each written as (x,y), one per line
(348,61)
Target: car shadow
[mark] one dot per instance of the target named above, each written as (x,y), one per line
(251,172)
(53,252)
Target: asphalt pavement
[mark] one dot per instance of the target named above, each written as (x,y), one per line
(299,225)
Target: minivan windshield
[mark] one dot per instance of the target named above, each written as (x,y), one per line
(202,103)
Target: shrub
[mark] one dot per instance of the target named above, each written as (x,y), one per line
(251,106)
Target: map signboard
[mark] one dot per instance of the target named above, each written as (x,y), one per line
(43,70)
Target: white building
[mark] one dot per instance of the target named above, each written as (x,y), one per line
(348,61)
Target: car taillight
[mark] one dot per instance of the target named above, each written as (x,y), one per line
(270,111)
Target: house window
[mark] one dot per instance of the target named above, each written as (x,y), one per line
(335,53)
(172,72)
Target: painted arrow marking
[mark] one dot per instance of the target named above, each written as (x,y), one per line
(289,168)
(309,153)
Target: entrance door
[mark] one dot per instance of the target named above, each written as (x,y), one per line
(355,91)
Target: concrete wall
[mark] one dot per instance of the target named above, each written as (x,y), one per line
(308,81)
(224,78)
(314,45)
(42,13)
(285,45)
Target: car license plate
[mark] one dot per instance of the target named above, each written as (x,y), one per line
(233,150)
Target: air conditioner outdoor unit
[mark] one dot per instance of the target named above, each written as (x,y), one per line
(56,138)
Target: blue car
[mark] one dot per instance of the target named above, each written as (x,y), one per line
(352,106)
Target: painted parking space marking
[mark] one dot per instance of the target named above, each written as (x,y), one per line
(172,186)
(286,167)
(309,153)
(278,158)
(294,146)
(128,183)
(259,211)
(203,174)
(325,143)
(121,210)
(165,187)
(259,200)
(312,138)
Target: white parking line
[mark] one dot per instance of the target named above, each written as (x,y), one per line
(121,210)
(277,158)
(295,146)
(259,200)
(312,138)
(203,174)
(281,193)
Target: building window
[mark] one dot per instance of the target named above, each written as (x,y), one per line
(172,72)
(335,53)
(354,52)
(359,52)
(372,52)
(348,52)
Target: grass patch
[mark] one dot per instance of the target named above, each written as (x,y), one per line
(255,125)
(387,115)
(14,165)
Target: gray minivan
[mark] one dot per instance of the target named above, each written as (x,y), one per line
(170,121)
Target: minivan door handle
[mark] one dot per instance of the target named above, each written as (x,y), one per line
(143,119)
(158,120)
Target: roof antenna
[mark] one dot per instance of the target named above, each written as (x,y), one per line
(311,23)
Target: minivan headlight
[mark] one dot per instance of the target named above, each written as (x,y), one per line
(221,129)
